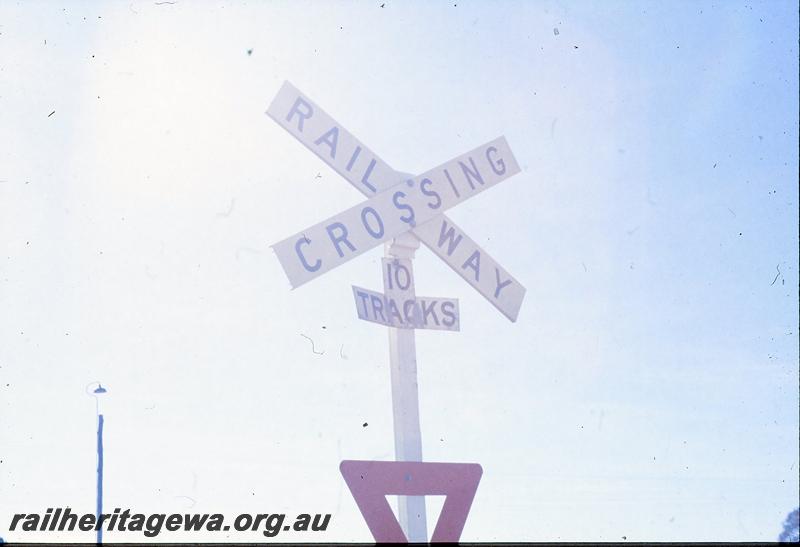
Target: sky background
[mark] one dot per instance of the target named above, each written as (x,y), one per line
(648,390)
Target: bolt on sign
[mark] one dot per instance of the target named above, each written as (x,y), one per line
(402,209)
(399,307)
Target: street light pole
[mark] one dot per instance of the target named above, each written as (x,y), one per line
(99,475)
(97,392)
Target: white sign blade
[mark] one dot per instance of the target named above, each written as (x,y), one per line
(354,161)
(334,145)
(434,313)
(332,242)
(473,264)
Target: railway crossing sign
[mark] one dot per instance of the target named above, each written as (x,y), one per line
(453,182)
(332,242)
(400,211)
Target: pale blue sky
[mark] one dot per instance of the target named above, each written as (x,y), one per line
(649,388)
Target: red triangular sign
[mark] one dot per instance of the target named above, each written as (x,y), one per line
(370,482)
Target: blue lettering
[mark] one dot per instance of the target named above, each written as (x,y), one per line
(411,312)
(303,261)
(394,312)
(363,296)
(423,188)
(377,307)
(471,174)
(365,179)
(429,311)
(451,246)
(331,138)
(342,237)
(452,185)
(448,310)
(493,164)
(353,158)
(377,234)
(474,262)
(500,286)
(300,115)
(409,219)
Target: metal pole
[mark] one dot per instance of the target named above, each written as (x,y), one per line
(99,476)
(405,403)
(99,390)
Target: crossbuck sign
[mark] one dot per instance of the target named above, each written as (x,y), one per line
(395,204)
(400,210)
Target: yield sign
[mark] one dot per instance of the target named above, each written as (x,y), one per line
(371,481)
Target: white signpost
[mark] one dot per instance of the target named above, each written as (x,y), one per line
(400,211)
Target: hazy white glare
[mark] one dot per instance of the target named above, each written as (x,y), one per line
(648,389)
